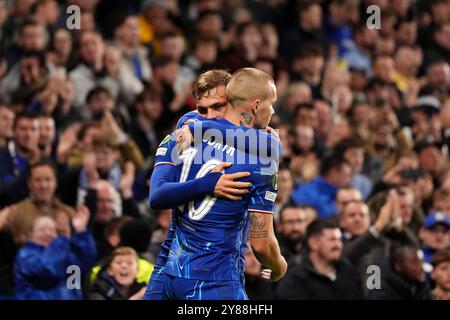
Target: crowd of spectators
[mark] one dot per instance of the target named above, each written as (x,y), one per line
(363,114)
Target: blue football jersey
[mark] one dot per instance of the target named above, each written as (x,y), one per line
(164,155)
(211,232)
(191,115)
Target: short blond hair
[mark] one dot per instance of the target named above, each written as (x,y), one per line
(247,83)
(124,251)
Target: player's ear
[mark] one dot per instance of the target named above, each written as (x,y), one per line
(255,105)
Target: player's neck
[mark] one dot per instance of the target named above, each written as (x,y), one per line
(239,118)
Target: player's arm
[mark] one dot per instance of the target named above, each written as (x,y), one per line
(166,192)
(193,132)
(262,236)
(265,245)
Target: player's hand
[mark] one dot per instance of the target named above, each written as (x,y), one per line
(266,274)
(226,187)
(273,132)
(184,139)
(188,121)
(277,276)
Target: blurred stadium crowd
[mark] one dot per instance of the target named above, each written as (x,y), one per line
(363,210)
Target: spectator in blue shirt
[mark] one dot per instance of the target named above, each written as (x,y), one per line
(18,152)
(337,28)
(21,149)
(41,266)
(358,54)
(320,193)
